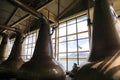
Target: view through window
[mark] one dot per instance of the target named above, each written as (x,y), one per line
(73,42)
(70,42)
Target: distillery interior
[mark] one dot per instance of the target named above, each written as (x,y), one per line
(59,40)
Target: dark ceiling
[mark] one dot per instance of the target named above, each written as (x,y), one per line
(11,15)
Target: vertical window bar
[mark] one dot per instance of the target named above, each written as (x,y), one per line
(77,42)
(55,51)
(58,44)
(58,29)
(66,48)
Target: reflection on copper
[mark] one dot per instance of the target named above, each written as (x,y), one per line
(105,49)
(42,66)
(3,46)
(9,67)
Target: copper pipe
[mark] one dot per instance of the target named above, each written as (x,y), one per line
(9,67)
(7,28)
(3,46)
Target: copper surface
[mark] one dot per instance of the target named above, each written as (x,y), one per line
(9,67)
(3,46)
(42,66)
(105,52)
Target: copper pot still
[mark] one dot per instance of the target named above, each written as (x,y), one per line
(9,67)
(3,46)
(42,66)
(104,56)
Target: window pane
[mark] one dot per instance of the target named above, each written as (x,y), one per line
(29,45)
(62,47)
(82,26)
(62,59)
(62,31)
(71,21)
(83,54)
(34,39)
(81,18)
(29,51)
(62,39)
(83,44)
(72,46)
(73,37)
(71,29)
(26,40)
(72,58)
(33,46)
(30,40)
(53,47)
(83,35)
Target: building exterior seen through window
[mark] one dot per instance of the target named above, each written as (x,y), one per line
(70,42)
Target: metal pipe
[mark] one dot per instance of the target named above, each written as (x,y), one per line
(7,28)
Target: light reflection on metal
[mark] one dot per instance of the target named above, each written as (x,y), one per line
(3,46)
(105,49)
(9,67)
(42,66)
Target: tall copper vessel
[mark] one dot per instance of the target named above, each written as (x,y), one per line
(105,49)
(9,67)
(3,46)
(42,66)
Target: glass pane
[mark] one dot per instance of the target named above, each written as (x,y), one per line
(62,39)
(72,46)
(71,21)
(62,59)
(84,54)
(26,41)
(81,18)
(73,37)
(71,29)
(29,51)
(62,24)
(62,47)
(25,53)
(29,45)
(34,39)
(33,46)
(83,44)
(83,35)
(82,26)
(25,46)
(71,60)
(62,31)
(53,47)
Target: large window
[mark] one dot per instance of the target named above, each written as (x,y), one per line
(72,42)
(29,45)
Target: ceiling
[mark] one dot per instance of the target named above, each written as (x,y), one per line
(12,15)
